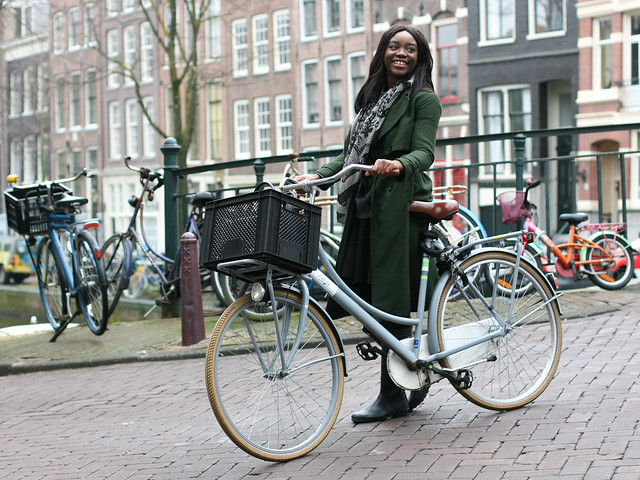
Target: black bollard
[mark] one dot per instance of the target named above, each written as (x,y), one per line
(191,291)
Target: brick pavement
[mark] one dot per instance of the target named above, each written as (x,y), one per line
(153,421)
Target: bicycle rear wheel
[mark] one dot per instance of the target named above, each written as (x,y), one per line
(527,356)
(613,266)
(116,254)
(91,284)
(275,400)
(52,284)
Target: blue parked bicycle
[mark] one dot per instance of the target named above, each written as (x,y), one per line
(68,261)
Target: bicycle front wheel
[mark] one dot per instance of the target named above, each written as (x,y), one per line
(275,386)
(91,284)
(116,254)
(52,284)
(509,370)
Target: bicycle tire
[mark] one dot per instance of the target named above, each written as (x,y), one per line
(252,393)
(615,270)
(532,255)
(91,283)
(118,265)
(137,284)
(52,284)
(526,358)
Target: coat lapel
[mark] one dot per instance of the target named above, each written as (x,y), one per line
(395,114)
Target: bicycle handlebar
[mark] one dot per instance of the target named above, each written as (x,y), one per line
(307,185)
(85,172)
(146,174)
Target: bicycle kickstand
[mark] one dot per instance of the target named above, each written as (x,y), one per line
(65,320)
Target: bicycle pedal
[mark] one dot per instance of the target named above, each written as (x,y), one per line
(464,379)
(162,302)
(368,351)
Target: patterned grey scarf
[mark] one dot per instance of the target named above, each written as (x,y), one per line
(363,131)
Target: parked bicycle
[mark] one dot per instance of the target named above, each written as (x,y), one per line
(599,251)
(68,261)
(276,385)
(121,249)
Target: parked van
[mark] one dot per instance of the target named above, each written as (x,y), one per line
(15,262)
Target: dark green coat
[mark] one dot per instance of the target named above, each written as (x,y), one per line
(408,134)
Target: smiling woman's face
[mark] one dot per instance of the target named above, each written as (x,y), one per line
(400,57)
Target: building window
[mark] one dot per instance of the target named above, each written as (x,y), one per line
(75,106)
(282,40)
(239,44)
(215,119)
(131,127)
(447,61)
(497,20)
(58,32)
(30,159)
(113,7)
(91,98)
(90,24)
(311,93)
(505,109)
(113,73)
(74,28)
(546,16)
(634,63)
(332,17)
(284,125)
(213,31)
(130,54)
(260,44)
(15,87)
(148,133)
(128,5)
(603,57)
(355,15)
(334,90)
(357,73)
(16,151)
(242,127)
(263,126)
(59,99)
(309,19)
(29,84)
(146,54)
(43,87)
(115,131)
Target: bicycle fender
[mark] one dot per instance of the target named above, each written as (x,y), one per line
(128,263)
(596,236)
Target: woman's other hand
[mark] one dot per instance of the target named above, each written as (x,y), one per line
(386,168)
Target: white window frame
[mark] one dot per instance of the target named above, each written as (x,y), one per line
(213,32)
(260,33)
(112,7)
(533,34)
(284,124)
(329,101)
(326,18)
(352,87)
(148,133)
(91,98)
(350,16)
(597,53)
(16,96)
(281,40)
(240,47)
(242,128)
(484,40)
(43,87)
(262,123)
(89,29)
(58,33)
(501,150)
(304,35)
(17,160)
(74,37)
(59,99)
(28,82)
(305,94)
(131,122)
(75,100)
(146,53)
(30,159)
(435,48)
(130,53)
(115,130)
(113,52)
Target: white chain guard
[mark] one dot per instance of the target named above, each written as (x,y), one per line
(408,379)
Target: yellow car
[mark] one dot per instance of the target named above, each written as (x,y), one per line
(15,262)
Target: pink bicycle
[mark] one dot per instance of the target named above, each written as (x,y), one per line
(598,250)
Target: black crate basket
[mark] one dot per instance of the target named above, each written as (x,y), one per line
(26,207)
(268,226)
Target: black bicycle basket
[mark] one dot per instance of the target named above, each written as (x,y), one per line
(267,225)
(26,207)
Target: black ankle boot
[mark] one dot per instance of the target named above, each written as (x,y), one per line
(416,398)
(391,402)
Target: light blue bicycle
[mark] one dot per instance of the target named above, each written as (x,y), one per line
(276,384)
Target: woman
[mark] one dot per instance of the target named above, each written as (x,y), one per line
(394,131)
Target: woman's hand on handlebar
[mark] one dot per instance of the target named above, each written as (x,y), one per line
(386,168)
(305,178)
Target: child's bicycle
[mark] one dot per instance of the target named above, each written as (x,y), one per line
(275,384)
(598,250)
(68,260)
